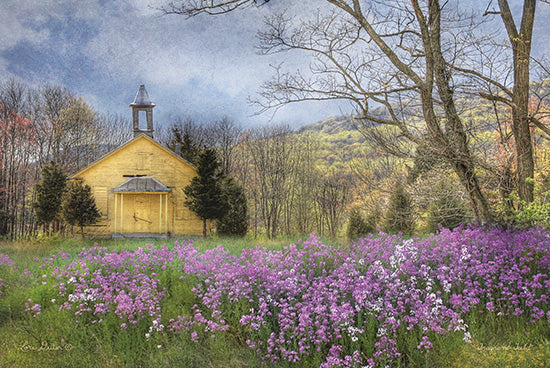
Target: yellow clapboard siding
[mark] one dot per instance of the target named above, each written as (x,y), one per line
(142,212)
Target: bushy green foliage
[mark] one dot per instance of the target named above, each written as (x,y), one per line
(536,213)
(235,221)
(205,195)
(399,215)
(358,225)
(78,207)
(447,209)
(49,194)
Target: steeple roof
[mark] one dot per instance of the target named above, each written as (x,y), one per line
(142,98)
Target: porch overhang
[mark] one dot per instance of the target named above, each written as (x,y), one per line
(146,184)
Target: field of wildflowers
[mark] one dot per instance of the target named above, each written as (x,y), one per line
(474,294)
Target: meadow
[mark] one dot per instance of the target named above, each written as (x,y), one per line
(471,297)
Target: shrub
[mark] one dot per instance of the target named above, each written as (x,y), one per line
(399,216)
(358,225)
(446,210)
(536,213)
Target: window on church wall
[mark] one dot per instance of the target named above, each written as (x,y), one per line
(101,200)
(143,161)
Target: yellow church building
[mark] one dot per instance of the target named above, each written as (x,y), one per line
(138,187)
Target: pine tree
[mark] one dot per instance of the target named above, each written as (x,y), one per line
(188,136)
(235,221)
(78,207)
(205,196)
(357,225)
(399,216)
(49,194)
(447,210)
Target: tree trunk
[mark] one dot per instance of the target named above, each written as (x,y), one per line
(521,46)
(204,228)
(520,118)
(455,141)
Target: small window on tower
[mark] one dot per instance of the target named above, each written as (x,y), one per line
(142,120)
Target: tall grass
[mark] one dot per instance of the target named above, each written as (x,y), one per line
(51,340)
(41,327)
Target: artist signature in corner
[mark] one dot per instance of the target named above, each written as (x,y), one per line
(45,346)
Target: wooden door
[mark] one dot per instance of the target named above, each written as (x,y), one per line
(143,220)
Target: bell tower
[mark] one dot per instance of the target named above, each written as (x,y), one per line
(142,102)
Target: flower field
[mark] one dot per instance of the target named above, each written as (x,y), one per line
(444,300)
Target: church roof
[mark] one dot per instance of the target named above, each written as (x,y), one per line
(136,140)
(142,98)
(143,184)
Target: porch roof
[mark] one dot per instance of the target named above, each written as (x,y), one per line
(143,184)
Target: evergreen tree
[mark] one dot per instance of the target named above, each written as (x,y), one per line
(205,195)
(399,216)
(446,210)
(49,195)
(235,221)
(191,138)
(358,226)
(78,207)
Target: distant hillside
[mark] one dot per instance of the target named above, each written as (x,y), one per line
(331,126)
(339,142)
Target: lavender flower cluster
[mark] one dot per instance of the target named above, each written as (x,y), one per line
(349,305)
(5,264)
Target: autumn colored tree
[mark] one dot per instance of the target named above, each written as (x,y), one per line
(17,143)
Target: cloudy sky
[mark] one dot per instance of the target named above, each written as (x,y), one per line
(204,68)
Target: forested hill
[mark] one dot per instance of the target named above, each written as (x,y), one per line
(333,125)
(339,141)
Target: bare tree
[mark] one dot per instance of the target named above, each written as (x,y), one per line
(301,210)
(398,54)
(225,135)
(17,138)
(271,165)
(37,126)
(113,131)
(48,103)
(332,198)
(515,93)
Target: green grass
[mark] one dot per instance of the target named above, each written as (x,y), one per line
(53,340)
(24,249)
